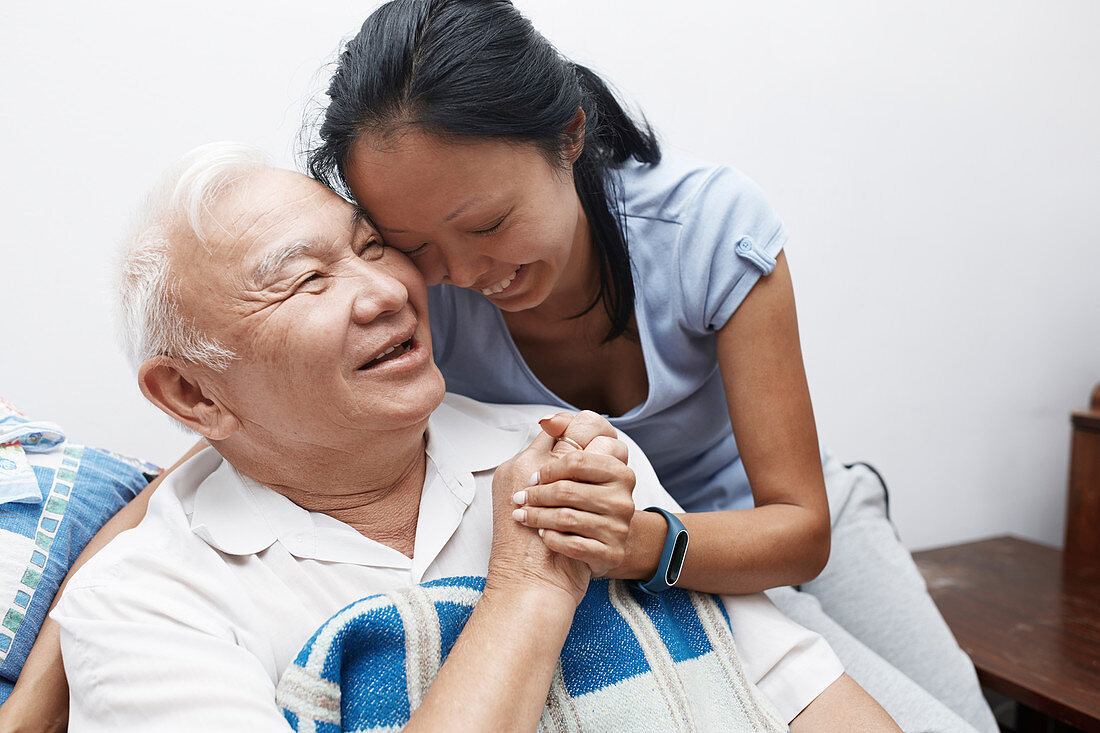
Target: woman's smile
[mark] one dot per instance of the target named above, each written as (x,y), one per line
(508,286)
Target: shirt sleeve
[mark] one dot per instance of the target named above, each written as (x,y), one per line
(175,666)
(729,240)
(789,663)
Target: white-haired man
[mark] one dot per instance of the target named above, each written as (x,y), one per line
(265,316)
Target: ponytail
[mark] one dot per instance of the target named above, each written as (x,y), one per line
(611,138)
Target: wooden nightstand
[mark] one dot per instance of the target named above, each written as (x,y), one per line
(1032,630)
(1027,614)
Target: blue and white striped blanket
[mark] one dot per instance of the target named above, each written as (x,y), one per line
(631,662)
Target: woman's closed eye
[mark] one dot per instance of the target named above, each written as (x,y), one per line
(490,229)
(411,252)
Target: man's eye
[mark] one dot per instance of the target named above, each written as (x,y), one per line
(372,251)
(310,284)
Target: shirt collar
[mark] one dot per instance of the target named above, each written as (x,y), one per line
(469,435)
(239,516)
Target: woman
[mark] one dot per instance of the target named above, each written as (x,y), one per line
(515,181)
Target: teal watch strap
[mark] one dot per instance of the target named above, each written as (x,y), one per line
(672,556)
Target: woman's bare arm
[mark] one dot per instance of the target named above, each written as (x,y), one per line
(40,701)
(784,540)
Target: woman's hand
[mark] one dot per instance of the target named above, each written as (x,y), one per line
(580,500)
(519,558)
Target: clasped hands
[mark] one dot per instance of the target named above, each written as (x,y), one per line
(561,513)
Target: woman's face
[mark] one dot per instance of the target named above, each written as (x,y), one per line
(491,216)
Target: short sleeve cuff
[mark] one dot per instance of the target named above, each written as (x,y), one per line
(800,677)
(757,259)
(789,663)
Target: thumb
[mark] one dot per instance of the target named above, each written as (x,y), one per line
(556,425)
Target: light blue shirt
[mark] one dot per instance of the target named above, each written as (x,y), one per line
(700,236)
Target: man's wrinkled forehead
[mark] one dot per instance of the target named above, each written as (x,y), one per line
(272,212)
(272,204)
(265,211)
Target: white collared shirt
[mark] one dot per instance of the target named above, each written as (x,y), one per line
(187,621)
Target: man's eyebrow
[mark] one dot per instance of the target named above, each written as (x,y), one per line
(360,216)
(276,260)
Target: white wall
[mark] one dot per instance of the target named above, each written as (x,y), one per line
(938,165)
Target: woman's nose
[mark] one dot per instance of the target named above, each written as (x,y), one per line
(464,269)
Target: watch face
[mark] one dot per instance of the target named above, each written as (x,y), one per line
(676,561)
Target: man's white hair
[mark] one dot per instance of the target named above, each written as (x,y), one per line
(177,209)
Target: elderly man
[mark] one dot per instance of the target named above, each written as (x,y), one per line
(263,315)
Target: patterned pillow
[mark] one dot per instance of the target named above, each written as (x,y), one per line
(79,489)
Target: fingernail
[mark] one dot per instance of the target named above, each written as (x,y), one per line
(520,515)
(544,418)
(520,497)
(533,481)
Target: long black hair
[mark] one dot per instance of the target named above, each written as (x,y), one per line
(477,68)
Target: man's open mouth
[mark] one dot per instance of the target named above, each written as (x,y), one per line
(389,354)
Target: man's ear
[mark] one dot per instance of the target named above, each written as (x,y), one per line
(575,132)
(175,388)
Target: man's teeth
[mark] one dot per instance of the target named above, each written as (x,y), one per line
(403,346)
(500,286)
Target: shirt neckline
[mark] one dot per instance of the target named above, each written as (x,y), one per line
(634,413)
(239,516)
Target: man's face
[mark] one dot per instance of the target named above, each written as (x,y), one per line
(330,328)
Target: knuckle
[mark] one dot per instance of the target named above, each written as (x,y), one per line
(599,422)
(573,460)
(607,447)
(553,539)
(600,442)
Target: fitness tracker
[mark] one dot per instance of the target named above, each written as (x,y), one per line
(672,556)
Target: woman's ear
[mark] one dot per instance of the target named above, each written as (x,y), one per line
(575,131)
(176,389)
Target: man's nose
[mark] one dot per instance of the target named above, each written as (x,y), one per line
(379,293)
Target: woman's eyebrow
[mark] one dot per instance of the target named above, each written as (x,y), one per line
(462,208)
(275,260)
(361,213)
